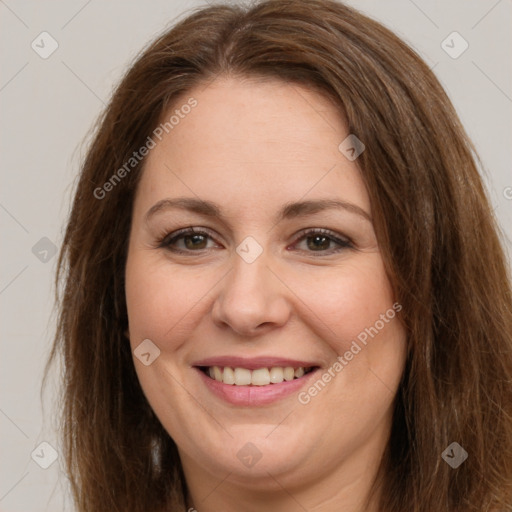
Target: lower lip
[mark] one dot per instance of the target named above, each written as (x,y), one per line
(249,396)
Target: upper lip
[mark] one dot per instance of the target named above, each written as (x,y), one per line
(253,363)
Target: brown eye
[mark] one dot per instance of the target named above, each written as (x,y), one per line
(318,242)
(186,240)
(194,241)
(323,241)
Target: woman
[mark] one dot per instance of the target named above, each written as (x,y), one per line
(283,289)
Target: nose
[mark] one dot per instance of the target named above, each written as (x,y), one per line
(252,299)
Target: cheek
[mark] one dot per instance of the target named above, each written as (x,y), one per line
(160,299)
(355,311)
(348,298)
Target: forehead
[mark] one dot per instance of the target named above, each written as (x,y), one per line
(251,116)
(254,142)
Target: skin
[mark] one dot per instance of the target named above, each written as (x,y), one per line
(251,147)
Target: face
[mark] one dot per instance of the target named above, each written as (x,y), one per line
(282,275)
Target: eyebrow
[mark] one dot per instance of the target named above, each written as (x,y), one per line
(288,211)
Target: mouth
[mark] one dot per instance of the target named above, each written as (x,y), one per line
(254,382)
(239,376)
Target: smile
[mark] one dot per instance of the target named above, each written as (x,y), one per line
(258,377)
(256,381)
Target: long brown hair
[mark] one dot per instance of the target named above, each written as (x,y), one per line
(434,225)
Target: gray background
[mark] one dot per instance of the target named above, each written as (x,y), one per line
(49,105)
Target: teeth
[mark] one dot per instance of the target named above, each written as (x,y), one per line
(276,375)
(288,373)
(217,373)
(228,376)
(242,376)
(259,377)
(299,372)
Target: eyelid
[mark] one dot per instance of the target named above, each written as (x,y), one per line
(323,231)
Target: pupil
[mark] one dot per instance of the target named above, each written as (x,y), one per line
(193,239)
(323,245)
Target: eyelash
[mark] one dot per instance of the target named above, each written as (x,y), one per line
(166,241)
